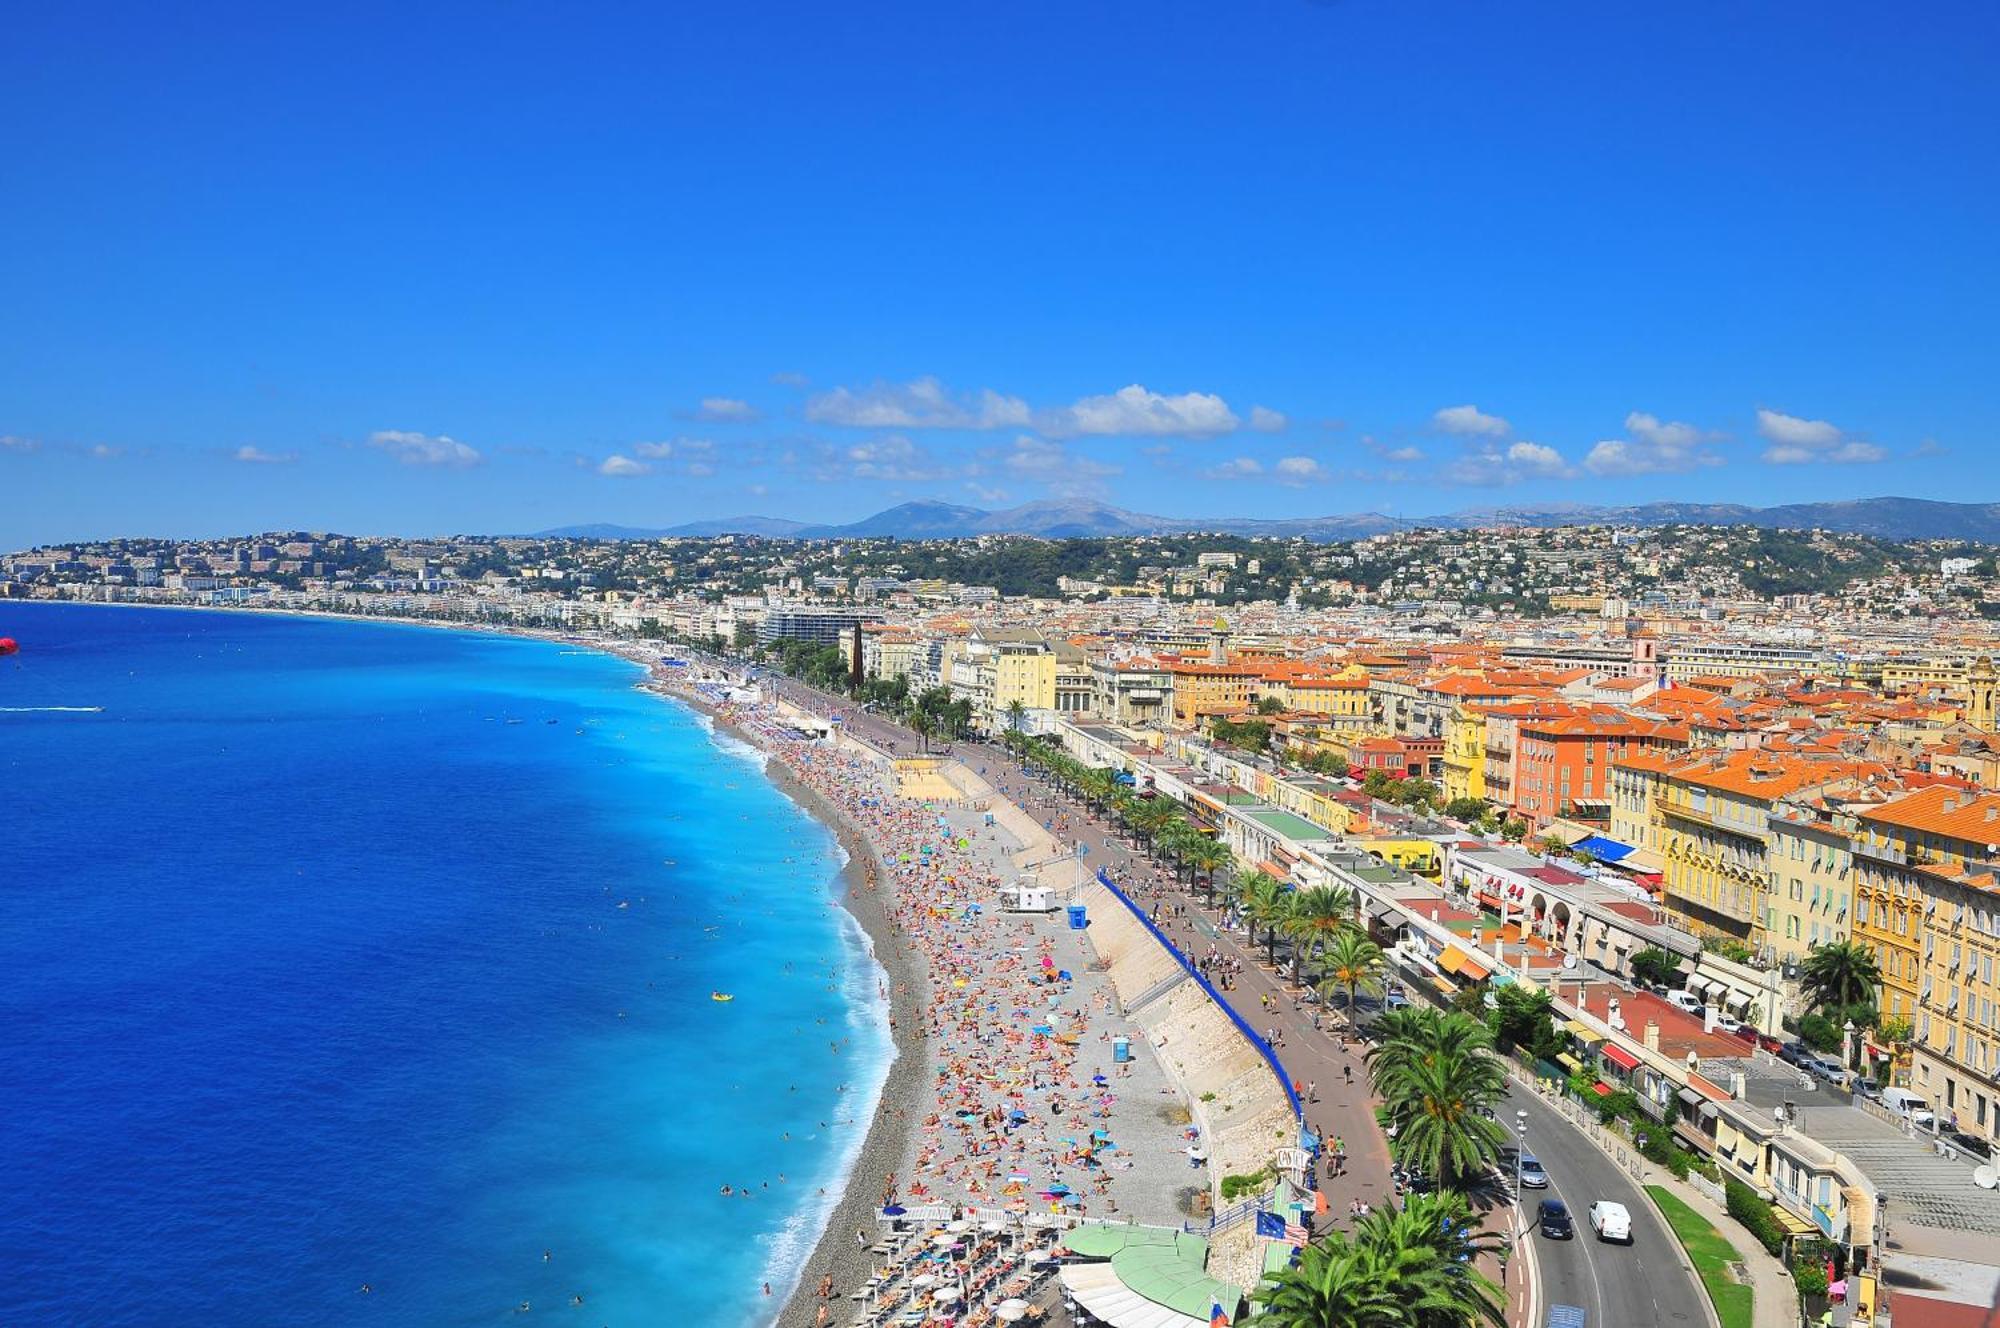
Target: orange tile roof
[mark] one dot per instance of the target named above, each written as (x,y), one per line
(1943,810)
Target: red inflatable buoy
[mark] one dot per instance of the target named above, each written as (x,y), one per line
(9,646)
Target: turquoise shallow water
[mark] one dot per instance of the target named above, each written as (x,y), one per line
(318,969)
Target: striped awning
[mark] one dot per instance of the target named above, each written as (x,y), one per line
(1444,985)
(1620,1057)
(1569,1062)
(1452,960)
(1583,1032)
(1474,971)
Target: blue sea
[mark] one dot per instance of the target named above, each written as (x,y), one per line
(338,955)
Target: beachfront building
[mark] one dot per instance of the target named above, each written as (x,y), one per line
(1812,879)
(1709,819)
(1000,668)
(821,626)
(1930,878)
(1203,691)
(1563,762)
(1136,691)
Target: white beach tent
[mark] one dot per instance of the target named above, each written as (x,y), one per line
(1027,897)
(1098,1288)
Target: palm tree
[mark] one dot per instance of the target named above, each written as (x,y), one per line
(1266,904)
(1208,857)
(1333,1286)
(1177,839)
(1412,1267)
(1438,1080)
(1016,712)
(1428,1250)
(1841,973)
(1318,916)
(1355,963)
(920,724)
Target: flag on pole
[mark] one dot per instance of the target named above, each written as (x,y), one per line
(1295,1234)
(1271,1225)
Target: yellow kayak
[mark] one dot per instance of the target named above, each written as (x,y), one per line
(720,996)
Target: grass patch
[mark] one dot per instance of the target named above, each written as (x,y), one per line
(1711,1255)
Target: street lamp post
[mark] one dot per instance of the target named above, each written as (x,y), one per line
(1520,1151)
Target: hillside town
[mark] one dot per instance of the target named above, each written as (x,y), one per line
(1699,760)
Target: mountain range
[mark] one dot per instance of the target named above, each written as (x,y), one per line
(1884,518)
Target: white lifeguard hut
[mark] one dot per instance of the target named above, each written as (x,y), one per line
(1027,897)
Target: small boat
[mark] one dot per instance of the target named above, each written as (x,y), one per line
(720,996)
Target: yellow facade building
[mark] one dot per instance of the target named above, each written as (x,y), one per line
(1931,874)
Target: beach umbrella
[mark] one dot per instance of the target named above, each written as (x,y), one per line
(1011,1311)
(894,1210)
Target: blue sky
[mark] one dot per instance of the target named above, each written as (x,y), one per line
(502,267)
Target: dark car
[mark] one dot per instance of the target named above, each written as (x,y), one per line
(1971,1143)
(1554,1220)
(1795,1053)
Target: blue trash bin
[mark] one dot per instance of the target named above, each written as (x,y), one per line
(1077,919)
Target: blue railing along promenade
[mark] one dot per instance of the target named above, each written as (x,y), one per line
(1255,1038)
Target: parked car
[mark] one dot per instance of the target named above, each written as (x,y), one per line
(1729,1023)
(1795,1053)
(1685,1000)
(1395,999)
(1869,1089)
(1532,1175)
(1830,1070)
(1554,1220)
(1611,1222)
(1972,1143)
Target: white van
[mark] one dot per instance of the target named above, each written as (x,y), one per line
(1685,1000)
(1908,1105)
(1611,1221)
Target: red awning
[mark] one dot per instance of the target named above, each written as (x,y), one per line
(1621,1058)
(1601,1088)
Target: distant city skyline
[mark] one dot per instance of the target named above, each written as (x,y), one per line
(476,271)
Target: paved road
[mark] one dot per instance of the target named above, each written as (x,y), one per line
(1646,1283)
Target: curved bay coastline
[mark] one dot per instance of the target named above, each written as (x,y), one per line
(893,1115)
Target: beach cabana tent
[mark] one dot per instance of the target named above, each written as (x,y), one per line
(1148,1277)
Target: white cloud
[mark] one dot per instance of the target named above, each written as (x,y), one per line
(727,410)
(1655,447)
(1490,465)
(1265,420)
(923,404)
(1237,468)
(622,467)
(1131,411)
(1050,464)
(10,442)
(1791,431)
(985,493)
(105,451)
(257,456)
(1470,421)
(1297,470)
(786,378)
(891,457)
(423,449)
(1798,442)
(1136,411)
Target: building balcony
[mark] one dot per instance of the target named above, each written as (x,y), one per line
(1693,817)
